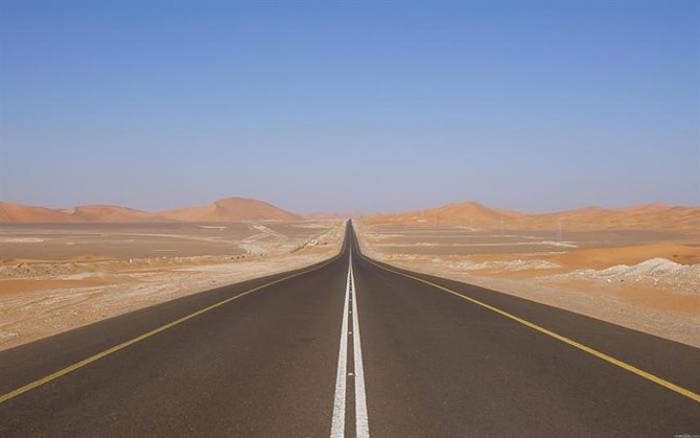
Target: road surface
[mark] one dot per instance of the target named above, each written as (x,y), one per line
(350,348)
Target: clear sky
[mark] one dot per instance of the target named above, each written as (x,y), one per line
(373,106)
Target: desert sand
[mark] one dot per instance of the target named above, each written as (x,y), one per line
(657,216)
(637,267)
(56,277)
(230,209)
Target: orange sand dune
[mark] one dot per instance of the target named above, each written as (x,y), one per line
(231,209)
(601,258)
(109,213)
(472,214)
(223,210)
(650,216)
(22,213)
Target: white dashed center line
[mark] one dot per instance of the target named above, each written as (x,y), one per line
(361,421)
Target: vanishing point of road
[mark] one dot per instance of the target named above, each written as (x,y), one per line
(350,347)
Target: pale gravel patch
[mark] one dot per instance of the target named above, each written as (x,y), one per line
(659,272)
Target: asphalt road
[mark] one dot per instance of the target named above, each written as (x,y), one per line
(340,351)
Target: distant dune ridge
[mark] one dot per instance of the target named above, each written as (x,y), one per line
(474,215)
(231,209)
(224,210)
(471,214)
(108,213)
(10,212)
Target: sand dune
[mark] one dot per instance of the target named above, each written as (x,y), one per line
(10,213)
(470,214)
(478,216)
(229,210)
(109,213)
(223,210)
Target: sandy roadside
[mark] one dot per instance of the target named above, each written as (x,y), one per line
(55,297)
(651,305)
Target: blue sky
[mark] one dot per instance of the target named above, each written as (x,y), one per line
(371,106)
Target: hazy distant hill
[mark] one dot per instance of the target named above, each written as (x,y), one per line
(231,209)
(471,214)
(475,215)
(109,213)
(11,213)
(223,210)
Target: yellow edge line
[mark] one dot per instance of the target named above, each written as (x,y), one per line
(107,352)
(641,373)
